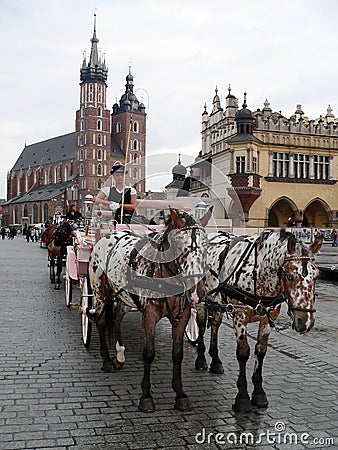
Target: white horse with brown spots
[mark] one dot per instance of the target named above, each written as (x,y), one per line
(249,278)
(157,274)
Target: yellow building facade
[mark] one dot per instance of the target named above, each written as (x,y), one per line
(261,169)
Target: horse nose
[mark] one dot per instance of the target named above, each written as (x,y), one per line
(300,324)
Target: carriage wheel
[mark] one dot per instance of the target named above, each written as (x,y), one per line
(86,302)
(69,289)
(191,330)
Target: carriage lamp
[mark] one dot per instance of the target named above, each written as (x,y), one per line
(88,209)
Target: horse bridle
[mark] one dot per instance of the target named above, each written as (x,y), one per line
(261,305)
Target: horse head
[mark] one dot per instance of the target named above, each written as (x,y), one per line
(184,249)
(298,274)
(63,233)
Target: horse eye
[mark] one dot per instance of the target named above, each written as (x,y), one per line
(289,277)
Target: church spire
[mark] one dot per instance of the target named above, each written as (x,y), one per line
(96,69)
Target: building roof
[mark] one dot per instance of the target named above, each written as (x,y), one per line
(115,149)
(43,193)
(52,150)
(243,138)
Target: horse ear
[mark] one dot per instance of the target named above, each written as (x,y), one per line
(292,244)
(176,220)
(316,246)
(205,219)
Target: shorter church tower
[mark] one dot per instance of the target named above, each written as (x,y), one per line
(129,129)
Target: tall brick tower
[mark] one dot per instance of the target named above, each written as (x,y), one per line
(92,125)
(129,125)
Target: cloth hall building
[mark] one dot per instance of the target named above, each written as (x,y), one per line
(262,169)
(49,175)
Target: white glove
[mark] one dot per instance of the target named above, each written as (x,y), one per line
(114,206)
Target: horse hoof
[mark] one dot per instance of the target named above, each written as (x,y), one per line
(259,400)
(57,287)
(146,405)
(117,365)
(242,405)
(182,404)
(201,364)
(107,366)
(216,368)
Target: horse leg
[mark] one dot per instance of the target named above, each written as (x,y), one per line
(216,365)
(201,362)
(182,401)
(258,395)
(52,268)
(105,327)
(151,315)
(119,359)
(58,272)
(242,401)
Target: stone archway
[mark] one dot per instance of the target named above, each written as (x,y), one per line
(317,214)
(282,213)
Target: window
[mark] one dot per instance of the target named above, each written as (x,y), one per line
(99,139)
(35,213)
(16,215)
(82,111)
(118,127)
(45,212)
(25,211)
(254,164)
(99,169)
(46,177)
(240,164)
(99,111)
(94,184)
(99,154)
(66,173)
(99,124)
(84,184)
(321,167)
(55,175)
(99,95)
(81,170)
(135,144)
(135,127)
(91,92)
(94,168)
(99,184)
(301,164)
(280,164)
(81,154)
(135,174)
(82,125)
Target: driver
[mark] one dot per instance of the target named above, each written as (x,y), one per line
(113,195)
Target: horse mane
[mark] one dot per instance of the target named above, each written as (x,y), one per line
(188,218)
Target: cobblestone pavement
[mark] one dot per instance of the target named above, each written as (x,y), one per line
(53,394)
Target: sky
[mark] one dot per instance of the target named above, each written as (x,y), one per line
(179,52)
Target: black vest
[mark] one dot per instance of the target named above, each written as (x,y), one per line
(115,196)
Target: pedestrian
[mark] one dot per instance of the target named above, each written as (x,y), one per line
(317,235)
(32,233)
(3,233)
(36,234)
(334,237)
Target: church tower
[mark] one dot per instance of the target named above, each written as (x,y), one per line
(129,129)
(92,124)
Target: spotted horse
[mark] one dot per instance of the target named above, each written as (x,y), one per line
(158,274)
(250,278)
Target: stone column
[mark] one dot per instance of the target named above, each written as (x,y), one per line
(291,165)
(312,167)
(270,163)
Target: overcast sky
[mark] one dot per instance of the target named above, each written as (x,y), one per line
(285,51)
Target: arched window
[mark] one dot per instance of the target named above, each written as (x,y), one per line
(46,177)
(81,154)
(94,168)
(135,174)
(91,92)
(99,111)
(99,154)
(135,159)
(99,184)
(135,144)
(81,170)
(25,211)
(82,111)
(99,139)
(45,212)
(16,215)
(135,127)
(82,125)
(99,169)
(99,125)
(118,127)
(94,184)
(99,95)
(66,173)
(55,175)
(35,213)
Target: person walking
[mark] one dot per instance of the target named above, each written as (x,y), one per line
(3,233)
(334,237)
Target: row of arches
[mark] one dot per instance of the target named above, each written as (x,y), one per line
(284,212)
(34,216)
